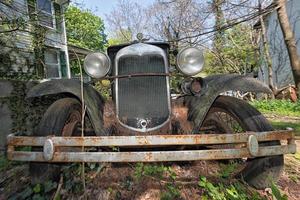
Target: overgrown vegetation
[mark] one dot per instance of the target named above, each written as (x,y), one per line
(227,170)
(279,112)
(39,191)
(220,191)
(158,172)
(278,107)
(279,125)
(4,163)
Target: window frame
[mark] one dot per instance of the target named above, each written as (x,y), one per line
(46,13)
(58,64)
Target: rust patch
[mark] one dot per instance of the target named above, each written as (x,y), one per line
(177,125)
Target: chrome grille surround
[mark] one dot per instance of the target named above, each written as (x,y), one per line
(141,49)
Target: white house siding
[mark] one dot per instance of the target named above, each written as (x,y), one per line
(282,74)
(22,57)
(18,45)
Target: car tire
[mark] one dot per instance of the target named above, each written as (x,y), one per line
(58,116)
(258,172)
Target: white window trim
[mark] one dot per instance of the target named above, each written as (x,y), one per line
(52,15)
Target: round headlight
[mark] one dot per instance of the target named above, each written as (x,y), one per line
(97,65)
(190,61)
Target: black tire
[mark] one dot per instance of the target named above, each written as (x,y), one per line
(59,114)
(258,172)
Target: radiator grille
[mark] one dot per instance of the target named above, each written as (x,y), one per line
(144,98)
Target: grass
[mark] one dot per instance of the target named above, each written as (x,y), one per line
(278,107)
(282,109)
(283,125)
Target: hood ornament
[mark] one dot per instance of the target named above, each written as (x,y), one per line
(140,37)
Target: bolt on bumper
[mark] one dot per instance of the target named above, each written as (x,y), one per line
(242,145)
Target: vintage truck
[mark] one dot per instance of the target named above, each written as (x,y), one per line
(146,123)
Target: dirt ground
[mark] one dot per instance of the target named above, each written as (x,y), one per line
(119,181)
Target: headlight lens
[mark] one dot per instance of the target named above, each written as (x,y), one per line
(190,61)
(97,65)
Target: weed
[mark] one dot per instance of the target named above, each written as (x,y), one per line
(280,125)
(212,192)
(227,170)
(171,193)
(72,180)
(36,192)
(127,183)
(277,195)
(297,156)
(156,171)
(4,163)
(233,191)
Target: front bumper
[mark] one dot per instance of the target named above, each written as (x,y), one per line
(215,147)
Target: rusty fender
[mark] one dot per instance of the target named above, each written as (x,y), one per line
(242,145)
(93,100)
(214,86)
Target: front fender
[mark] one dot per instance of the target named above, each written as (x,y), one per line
(92,99)
(215,85)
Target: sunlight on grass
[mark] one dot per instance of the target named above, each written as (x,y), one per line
(278,107)
(283,125)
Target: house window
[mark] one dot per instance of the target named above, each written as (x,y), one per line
(58,16)
(52,63)
(45,13)
(63,64)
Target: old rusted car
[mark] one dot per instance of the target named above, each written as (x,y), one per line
(146,123)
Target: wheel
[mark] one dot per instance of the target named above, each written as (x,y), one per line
(62,118)
(231,115)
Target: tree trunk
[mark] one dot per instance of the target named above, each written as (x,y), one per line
(289,41)
(218,42)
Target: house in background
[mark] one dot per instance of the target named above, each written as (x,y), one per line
(33,47)
(282,71)
(20,42)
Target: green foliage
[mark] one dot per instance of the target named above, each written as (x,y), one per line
(171,193)
(237,54)
(283,125)
(227,170)
(72,178)
(297,156)
(277,195)
(233,191)
(41,191)
(153,170)
(4,163)
(84,29)
(103,87)
(212,191)
(279,107)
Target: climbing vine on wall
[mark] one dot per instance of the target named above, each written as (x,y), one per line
(22,41)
